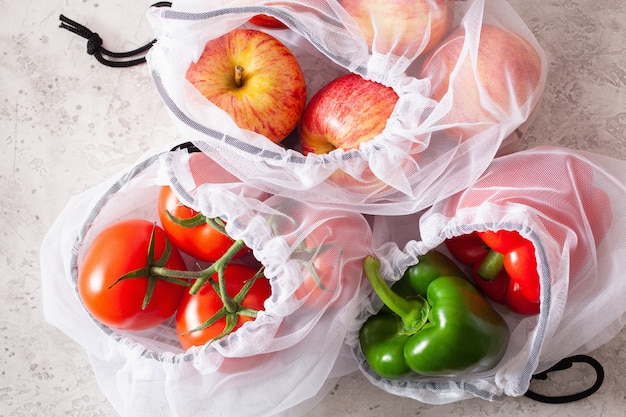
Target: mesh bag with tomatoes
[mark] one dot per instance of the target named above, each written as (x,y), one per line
(383,107)
(180,320)
(541,235)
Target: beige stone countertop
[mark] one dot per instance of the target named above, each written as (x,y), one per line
(69,123)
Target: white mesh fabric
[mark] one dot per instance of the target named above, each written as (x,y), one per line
(282,363)
(430,147)
(572,206)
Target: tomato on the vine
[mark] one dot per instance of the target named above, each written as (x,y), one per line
(331,267)
(137,302)
(320,283)
(204,242)
(196,309)
(321,264)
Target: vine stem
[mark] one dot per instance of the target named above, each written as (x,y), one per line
(201,277)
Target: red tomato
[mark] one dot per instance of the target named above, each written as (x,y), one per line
(321,279)
(194,310)
(333,269)
(203,242)
(119,249)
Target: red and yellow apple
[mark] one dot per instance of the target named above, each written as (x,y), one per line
(344,113)
(505,75)
(253,77)
(402,27)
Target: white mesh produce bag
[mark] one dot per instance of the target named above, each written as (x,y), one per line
(458,105)
(572,206)
(282,363)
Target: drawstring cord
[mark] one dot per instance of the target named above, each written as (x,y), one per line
(566,364)
(103,55)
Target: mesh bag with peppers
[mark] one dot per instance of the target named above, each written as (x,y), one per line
(252,324)
(540,236)
(384,109)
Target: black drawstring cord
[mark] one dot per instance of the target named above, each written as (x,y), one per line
(95,48)
(566,364)
(190,147)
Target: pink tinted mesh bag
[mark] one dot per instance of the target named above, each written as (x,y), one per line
(572,206)
(467,89)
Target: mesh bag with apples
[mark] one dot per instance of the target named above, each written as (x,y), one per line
(570,206)
(284,361)
(383,107)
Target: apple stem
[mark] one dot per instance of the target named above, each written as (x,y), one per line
(238,75)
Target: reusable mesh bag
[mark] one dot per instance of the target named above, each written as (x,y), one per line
(442,134)
(572,206)
(282,363)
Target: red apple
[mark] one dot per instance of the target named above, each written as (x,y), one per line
(508,71)
(266,21)
(344,113)
(402,26)
(253,77)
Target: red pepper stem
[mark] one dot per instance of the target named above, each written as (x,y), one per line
(414,312)
(492,266)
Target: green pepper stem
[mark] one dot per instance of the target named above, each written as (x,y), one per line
(492,266)
(414,312)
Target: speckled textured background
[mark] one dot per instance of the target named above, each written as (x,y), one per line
(69,123)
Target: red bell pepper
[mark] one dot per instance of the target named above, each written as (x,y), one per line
(504,267)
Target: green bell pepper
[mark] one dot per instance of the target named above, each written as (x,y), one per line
(434,323)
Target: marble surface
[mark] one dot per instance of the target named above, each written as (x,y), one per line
(68,123)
